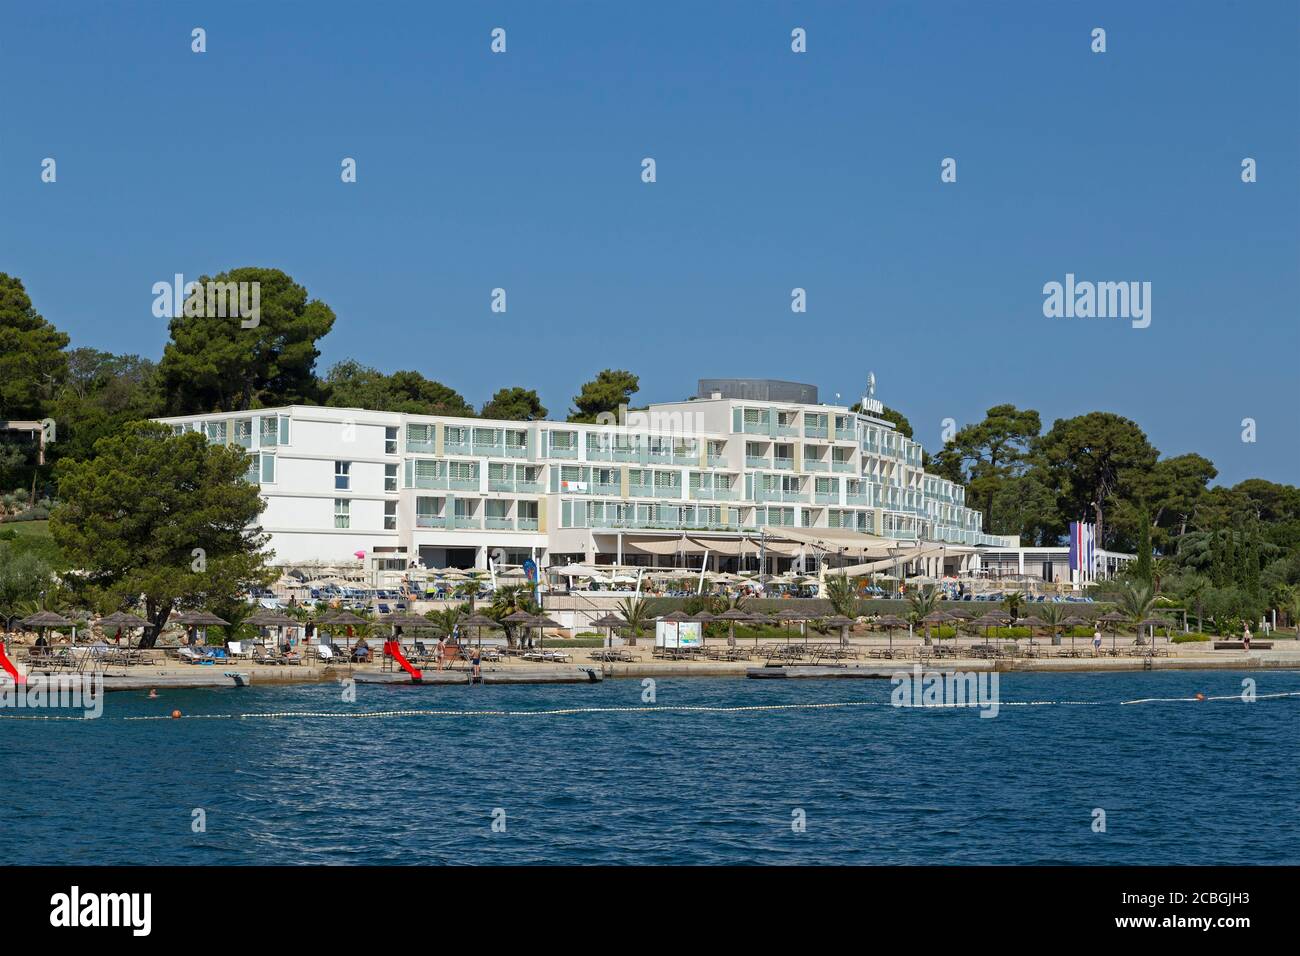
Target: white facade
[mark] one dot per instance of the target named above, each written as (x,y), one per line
(454,491)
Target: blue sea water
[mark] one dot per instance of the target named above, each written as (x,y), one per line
(1180,783)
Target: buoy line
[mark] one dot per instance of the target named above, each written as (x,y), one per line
(655,708)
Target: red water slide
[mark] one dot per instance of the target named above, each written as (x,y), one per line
(393,649)
(11,668)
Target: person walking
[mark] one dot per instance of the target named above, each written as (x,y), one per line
(1245,639)
(1096,642)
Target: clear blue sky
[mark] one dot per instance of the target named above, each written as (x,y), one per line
(775,170)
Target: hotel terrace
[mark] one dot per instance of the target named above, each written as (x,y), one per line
(748,468)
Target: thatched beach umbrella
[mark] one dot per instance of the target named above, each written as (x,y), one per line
(702,618)
(987,621)
(542,622)
(843,623)
(1032,621)
(762,620)
(1153,623)
(1116,619)
(42,620)
(1072,622)
(889,622)
(478,622)
(521,618)
(192,620)
(936,618)
(609,622)
(731,616)
(120,619)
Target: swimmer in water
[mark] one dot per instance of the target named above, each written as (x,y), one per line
(153,694)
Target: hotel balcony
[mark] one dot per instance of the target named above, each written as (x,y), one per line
(815,431)
(466,521)
(826,498)
(815,464)
(756,461)
(462,484)
(563,452)
(714,494)
(717,461)
(498,523)
(783,430)
(845,434)
(420,447)
(600,488)
(641,491)
(430,521)
(516,451)
(596,453)
(783,464)
(628,455)
(434,482)
(843,467)
(528,487)
(493,450)
(456,448)
(528,524)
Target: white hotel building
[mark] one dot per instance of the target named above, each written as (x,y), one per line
(748,465)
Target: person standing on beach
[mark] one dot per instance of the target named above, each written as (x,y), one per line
(1245,639)
(1096,642)
(442,649)
(475,662)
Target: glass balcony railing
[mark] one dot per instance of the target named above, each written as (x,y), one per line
(501,484)
(755,461)
(783,464)
(419,447)
(845,434)
(825,497)
(489,450)
(641,491)
(627,454)
(528,487)
(456,448)
(466,521)
(516,451)
(569,452)
(815,431)
(462,484)
(596,453)
(600,488)
(717,461)
(495,523)
(430,521)
(435,482)
(842,466)
(788,428)
(815,464)
(527,524)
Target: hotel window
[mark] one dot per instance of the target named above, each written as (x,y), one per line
(464,508)
(497,471)
(462,470)
(217,431)
(667,480)
(390,440)
(564,441)
(570,473)
(789,484)
(516,439)
(284,430)
(426,469)
(527,510)
(419,434)
(825,486)
(268,469)
(390,515)
(716,449)
(342,513)
(269,431)
(342,475)
(752,416)
(606,476)
(532,474)
(390,477)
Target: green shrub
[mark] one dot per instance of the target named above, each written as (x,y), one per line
(1189,638)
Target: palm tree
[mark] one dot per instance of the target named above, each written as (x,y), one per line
(842,595)
(920,603)
(1052,615)
(509,600)
(637,612)
(1135,603)
(1015,604)
(469,588)
(1161,570)
(446,619)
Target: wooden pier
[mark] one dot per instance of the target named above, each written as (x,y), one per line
(514,675)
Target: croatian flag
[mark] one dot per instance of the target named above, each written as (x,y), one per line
(1083,548)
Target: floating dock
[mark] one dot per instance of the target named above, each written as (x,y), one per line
(204,678)
(821,671)
(430,678)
